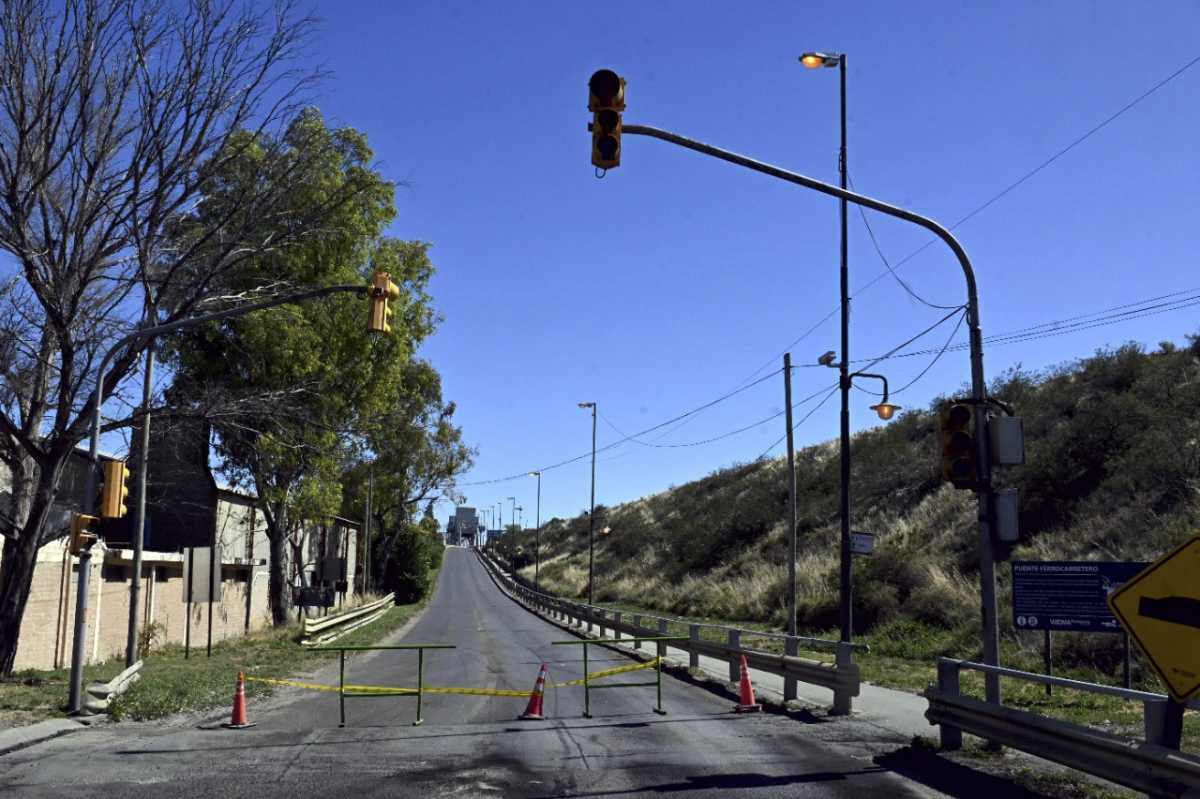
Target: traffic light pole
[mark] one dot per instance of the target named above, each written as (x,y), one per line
(89,482)
(139,517)
(987,566)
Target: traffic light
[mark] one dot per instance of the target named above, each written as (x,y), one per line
(606,101)
(959,446)
(382,290)
(81,532)
(115,493)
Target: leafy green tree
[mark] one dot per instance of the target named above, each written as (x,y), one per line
(416,553)
(412,451)
(303,377)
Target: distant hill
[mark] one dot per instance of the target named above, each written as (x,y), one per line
(1112,473)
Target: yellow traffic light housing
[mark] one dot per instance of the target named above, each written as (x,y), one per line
(115,493)
(81,532)
(382,290)
(606,101)
(959,446)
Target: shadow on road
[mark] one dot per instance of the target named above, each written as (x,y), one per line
(953,779)
(732,782)
(297,738)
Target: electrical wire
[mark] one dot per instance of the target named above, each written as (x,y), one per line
(958,326)
(804,419)
(879,251)
(618,443)
(720,437)
(891,268)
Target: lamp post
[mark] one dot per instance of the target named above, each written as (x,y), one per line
(512,519)
(818,61)
(537,534)
(591,515)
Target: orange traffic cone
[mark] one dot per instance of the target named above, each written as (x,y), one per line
(238,720)
(746,703)
(533,711)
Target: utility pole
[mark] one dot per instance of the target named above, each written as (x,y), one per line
(139,519)
(367,524)
(791,462)
(537,535)
(591,519)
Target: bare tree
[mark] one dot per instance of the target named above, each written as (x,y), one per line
(115,118)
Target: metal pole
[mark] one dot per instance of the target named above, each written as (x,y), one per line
(1127,677)
(987,566)
(587,696)
(139,519)
(75,705)
(846,597)
(190,554)
(791,461)
(592,524)
(367,523)
(342,685)
(214,576)
(537,539)
(420,683)
(1048,659)
(89,478)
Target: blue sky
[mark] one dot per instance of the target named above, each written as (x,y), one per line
(671,280)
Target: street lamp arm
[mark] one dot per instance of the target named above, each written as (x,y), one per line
(180,324)
(877,377)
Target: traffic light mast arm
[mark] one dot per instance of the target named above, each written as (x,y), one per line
(89,490)
(978,388)
(987,574)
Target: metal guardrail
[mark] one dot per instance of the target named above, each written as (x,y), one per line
(342,693)
(1154,766)
(329,628)
(842,677)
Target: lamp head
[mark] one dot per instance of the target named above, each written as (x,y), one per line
(885,409)
(818,60)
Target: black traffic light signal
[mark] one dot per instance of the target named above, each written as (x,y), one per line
(959,445)
(606,101)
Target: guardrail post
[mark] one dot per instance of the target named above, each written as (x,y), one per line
(1163,719)
(947,674)
(735,643)
(600,615)
(637,622)
(693,653)
(662,630)
(842,700)
(791,648)
(616,625)
(591,611)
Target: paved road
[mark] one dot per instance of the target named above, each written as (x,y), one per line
(468,746)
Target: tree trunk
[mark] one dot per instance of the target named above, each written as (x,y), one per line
(20,555)
(277,581)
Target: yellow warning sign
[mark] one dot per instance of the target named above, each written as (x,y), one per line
(1160,608)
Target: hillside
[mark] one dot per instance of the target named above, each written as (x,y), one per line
(1112,473)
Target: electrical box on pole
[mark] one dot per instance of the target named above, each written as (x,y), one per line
(1006,436)
(606,101)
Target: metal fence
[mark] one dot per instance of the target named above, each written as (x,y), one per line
(842,676)
(330,628)
(1154,766)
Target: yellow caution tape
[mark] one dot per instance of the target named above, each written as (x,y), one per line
(381,690)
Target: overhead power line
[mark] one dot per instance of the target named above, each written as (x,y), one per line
(990,201)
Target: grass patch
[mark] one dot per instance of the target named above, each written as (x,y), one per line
(171,683)
(30,695)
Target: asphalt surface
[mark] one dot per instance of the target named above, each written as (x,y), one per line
(471,746)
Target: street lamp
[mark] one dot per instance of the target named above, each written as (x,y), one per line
(591,515)
(537,533)
(512,519)
(812,60)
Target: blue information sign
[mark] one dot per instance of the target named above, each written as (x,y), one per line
(1067,595)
